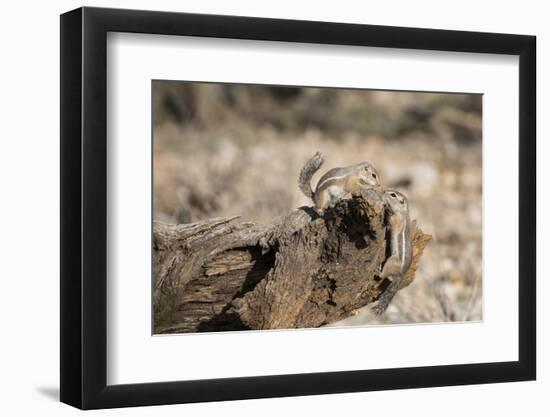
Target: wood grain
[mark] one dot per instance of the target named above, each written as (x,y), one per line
(301,271)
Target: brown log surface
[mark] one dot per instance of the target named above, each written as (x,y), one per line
(301,271)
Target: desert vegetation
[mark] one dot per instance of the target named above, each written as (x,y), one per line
(223,150)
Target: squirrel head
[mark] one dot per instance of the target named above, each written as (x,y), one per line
(396,202)
(368,174)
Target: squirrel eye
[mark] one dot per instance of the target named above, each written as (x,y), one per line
(373,175)
(393,195)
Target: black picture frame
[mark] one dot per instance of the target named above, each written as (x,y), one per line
(84,207)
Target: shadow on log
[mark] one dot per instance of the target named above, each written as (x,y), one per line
(302,271)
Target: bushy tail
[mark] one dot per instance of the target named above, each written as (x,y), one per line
(306,173)
(387,295)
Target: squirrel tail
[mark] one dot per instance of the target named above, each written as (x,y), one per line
(306,173)
(387,295)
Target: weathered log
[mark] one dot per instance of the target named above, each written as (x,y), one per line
(301,271)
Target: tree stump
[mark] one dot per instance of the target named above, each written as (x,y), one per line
(304,270)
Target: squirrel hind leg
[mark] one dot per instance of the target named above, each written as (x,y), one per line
(321,200)
(391,268)
(328,197)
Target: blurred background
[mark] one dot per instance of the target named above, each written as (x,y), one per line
(225,149)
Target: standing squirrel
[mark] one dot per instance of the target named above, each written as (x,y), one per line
(400,243)
(337,183)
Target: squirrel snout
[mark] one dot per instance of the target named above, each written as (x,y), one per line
(374,181)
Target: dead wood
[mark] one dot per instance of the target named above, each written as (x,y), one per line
(301,271)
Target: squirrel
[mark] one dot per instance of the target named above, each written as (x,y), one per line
(400,242)
(337,183)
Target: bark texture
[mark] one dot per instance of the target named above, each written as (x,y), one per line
(301,271)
